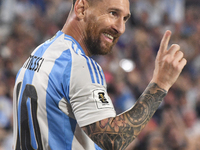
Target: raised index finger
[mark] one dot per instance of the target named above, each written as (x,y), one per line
(165,41)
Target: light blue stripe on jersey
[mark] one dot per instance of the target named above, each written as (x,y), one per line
(73,45)
(33,140)
(74,42)
(66,76)
(101,73)
(95,70)
(61,131)
(90,68)
(28,77)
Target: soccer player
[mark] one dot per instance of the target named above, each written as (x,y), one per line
(60,97)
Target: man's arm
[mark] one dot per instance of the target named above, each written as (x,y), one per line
(118,132)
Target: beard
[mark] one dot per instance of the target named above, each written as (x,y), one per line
(93,41)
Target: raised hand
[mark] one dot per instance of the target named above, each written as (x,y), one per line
(117,132)
(169,63)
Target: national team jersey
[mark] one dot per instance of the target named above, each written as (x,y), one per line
(58,90)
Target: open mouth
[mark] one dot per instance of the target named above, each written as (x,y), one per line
(108,36)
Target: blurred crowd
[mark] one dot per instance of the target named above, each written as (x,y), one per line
(24,24)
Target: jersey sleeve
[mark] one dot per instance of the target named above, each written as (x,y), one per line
(87,91)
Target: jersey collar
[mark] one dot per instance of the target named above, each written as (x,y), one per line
(75,45)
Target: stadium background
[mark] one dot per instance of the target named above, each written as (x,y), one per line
(24,24)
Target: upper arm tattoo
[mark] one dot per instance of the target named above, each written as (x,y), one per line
(118,132)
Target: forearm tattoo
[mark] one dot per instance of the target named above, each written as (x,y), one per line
(118,132)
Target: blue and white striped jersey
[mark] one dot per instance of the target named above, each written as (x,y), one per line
(58,90)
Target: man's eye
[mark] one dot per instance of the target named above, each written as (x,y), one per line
(113,13)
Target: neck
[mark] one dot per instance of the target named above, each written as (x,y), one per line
(75,28)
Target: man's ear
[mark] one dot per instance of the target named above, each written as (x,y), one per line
(80,7)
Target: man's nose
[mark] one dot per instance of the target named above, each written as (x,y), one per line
(119,26)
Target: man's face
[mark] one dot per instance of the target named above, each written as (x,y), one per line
(105,23)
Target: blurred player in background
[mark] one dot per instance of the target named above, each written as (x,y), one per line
(60,96)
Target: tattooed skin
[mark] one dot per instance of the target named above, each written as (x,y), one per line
(118,132)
